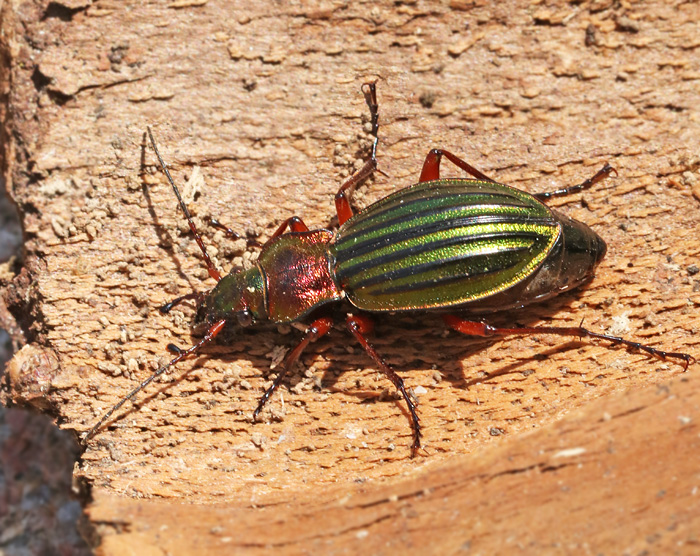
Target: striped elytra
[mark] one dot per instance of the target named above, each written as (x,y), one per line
(440,244)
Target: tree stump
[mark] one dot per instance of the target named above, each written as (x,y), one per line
(531,443)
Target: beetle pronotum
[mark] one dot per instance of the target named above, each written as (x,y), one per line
(462,246)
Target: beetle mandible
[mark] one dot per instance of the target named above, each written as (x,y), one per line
(457,245)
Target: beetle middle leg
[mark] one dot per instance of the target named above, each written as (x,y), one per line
(359,326)
(320,327)
(473,328)
(342,198)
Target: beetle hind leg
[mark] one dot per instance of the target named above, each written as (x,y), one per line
(601,174)
(473,328)
(358,327)
(431,166)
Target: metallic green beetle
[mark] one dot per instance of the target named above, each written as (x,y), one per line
(468,245)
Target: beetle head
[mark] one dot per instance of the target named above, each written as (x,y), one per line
(239,298)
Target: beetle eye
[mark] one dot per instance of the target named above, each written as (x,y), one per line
(245,317)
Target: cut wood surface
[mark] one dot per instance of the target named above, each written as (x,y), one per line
(257,108)
(618,476)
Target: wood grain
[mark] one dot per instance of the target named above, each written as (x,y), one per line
(257,108)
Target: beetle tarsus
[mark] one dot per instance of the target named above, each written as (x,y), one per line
(601,174)
(250,242)
(165,309)
(369,89)
(685,357)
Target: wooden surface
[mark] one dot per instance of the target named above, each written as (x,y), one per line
(264,106)
(598,481)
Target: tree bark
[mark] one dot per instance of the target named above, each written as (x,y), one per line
(257,109)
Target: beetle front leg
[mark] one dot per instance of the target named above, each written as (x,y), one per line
(318,328)
(359,326)
(342,198)
(294,223)
(250,242)
(473,328)
(165,309)
(431,166)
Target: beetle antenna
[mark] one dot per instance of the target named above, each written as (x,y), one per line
(213,272)
(181,354)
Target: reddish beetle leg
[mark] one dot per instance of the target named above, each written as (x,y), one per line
(250,242)
(473,328)
(342,198)
(359,325)
(318,328)
(431,166)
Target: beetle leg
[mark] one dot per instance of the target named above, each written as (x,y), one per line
(359,325)
(342,198)
(318,328)
(601,174)
(431,166)
(250,242)
(165,309)
(472,328)
(294,223)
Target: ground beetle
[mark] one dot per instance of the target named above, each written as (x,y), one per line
(470,246)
